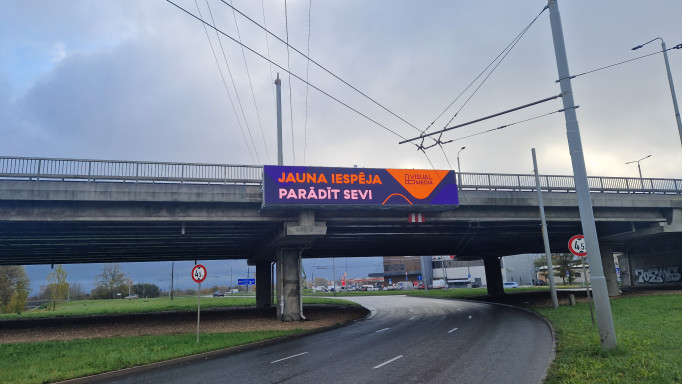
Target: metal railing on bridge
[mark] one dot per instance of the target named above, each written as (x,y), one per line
(25,168)
(28,168)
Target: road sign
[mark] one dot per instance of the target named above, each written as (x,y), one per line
(246,281)
(577,245)
(198,273)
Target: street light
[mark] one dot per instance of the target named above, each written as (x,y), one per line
(640,168)
(670,81)
(459,170)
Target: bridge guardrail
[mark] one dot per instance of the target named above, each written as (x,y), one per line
(25,168)
(31,168)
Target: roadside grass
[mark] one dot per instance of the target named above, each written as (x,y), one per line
(158,304)
(52,361)
(648,330)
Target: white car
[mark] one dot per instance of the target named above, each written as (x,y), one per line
(510,284)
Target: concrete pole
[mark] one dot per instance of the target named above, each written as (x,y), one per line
(607,333)
(545,237)
(278,86)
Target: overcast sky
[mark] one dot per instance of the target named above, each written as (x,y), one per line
(138,80)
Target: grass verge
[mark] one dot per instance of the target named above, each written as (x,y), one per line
(648,330)
(52,361)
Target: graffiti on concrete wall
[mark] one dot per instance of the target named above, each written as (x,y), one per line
(658,275)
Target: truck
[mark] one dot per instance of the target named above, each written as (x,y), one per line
(437,284)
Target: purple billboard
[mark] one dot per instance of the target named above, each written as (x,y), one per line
(321,186)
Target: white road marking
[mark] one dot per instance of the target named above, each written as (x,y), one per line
(286,358)
(412,318)
(381,330)
(388,362)
(470,316)
(452,330)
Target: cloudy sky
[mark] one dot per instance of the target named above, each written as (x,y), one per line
(144,80)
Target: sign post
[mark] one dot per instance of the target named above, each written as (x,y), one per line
(577,247)
(198,275)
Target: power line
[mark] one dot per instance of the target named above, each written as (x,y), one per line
(246,141)
(248,75)
(323,68)
(503,54)
(285,70)
(503,126)
(678,46)
(291,101)
(307,88)
(227,64)
(483,118)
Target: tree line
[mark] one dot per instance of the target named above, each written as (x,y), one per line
(111,283)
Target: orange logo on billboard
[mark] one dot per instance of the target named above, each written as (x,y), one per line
(420,183)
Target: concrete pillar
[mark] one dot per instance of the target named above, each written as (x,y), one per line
(493,275)
(263,284)
(609,266)
(289,285)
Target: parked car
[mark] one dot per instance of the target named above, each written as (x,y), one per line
(132,297)
(510,284)
(390,287)
(218,294)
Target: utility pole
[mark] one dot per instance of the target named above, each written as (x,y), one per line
(607,333)
(545,237)
(278,86)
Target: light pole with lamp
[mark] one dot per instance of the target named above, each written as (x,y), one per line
(459,170)
(641,180)
(670,81)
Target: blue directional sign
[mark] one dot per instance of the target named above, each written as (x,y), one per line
(246,281)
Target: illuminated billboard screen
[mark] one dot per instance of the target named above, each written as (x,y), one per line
(322,186)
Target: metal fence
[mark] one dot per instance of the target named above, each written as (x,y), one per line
(24,168)
(27,168)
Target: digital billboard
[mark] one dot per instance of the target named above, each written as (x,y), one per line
(286,186)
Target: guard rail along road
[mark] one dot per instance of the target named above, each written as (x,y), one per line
(34,168)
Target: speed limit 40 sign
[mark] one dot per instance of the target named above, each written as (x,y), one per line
(577,245)
(198,273)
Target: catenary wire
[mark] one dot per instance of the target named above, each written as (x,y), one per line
(291,101)
(678,46)
(504,54)
(248,147)
(325,69)
(234,85)
(483,118)
(285,70)
(307,88)
(248,75)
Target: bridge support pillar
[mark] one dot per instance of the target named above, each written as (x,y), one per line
(289,305)
(263,285)
(493,275)
(609,266)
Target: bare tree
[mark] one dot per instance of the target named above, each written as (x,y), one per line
(111,278)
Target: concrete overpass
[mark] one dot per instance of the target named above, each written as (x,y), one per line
(86,211)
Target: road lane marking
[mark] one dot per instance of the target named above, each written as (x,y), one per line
(412,318)
(286,358)
(388,362)
(470,316)
(452,330)
(381,330)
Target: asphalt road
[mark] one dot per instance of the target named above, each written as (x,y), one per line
(405,339)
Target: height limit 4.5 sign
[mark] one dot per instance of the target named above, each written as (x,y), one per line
(577,245)
(198,273)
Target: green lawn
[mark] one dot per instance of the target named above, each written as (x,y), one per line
(648,330)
